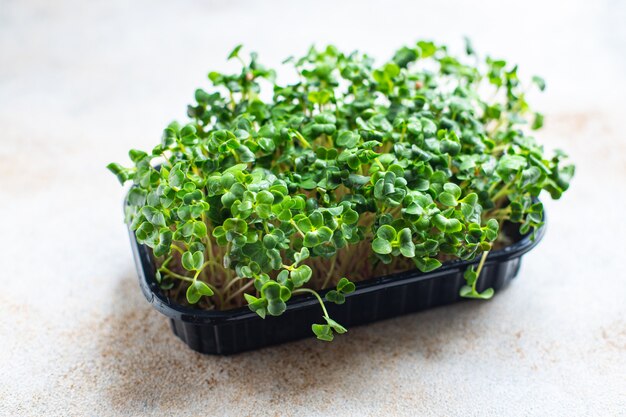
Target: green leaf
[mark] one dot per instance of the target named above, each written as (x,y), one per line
(492,230)
(193,261)
(540,82)
(164,246)
(301,256)
(235,52)
(509,163)
(304,224)
(471,276)
(264,197)
(452,189)
(426,264)
(137,197)
(236,226)
(381,246)
(427,48)
(469,48)
(468,292)
(447,225)
(335,326)
(196,290)
(258,305)
(199,229)
(153,215)
(335,297)
(347,139)
(350,216)
(285,293)
(323,332)
(120,172)
(316,219)
(471,199)
(264,211)
(301,275)
(271,290)
(407,247)
(537,121)
(448,199)
(319,97)
(345,286)
(188,135)
(145,232)
(276,307)
(176,178)
(318,237)
(270,241)
(386,232)
(404,56)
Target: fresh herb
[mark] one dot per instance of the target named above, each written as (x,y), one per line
(354,168)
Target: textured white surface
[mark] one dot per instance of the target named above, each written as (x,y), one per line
(81,82)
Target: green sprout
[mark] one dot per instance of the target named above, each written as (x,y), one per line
(355,170)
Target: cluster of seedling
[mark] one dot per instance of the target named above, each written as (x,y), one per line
(403,165)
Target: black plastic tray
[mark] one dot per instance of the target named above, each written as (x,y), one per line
(238,330)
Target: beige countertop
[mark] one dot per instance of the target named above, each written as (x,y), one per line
(82,82)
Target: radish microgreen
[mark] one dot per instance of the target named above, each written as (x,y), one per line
(356,165)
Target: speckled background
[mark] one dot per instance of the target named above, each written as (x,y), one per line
(81,82)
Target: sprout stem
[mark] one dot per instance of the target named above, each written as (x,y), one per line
(480,268)
(330,272)
(307,290)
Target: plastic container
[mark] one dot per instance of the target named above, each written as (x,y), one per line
(238,330)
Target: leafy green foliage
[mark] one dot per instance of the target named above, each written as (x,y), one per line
(406,159)
(338,295)
(196,290)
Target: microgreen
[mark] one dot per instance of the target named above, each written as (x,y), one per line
(355,168)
